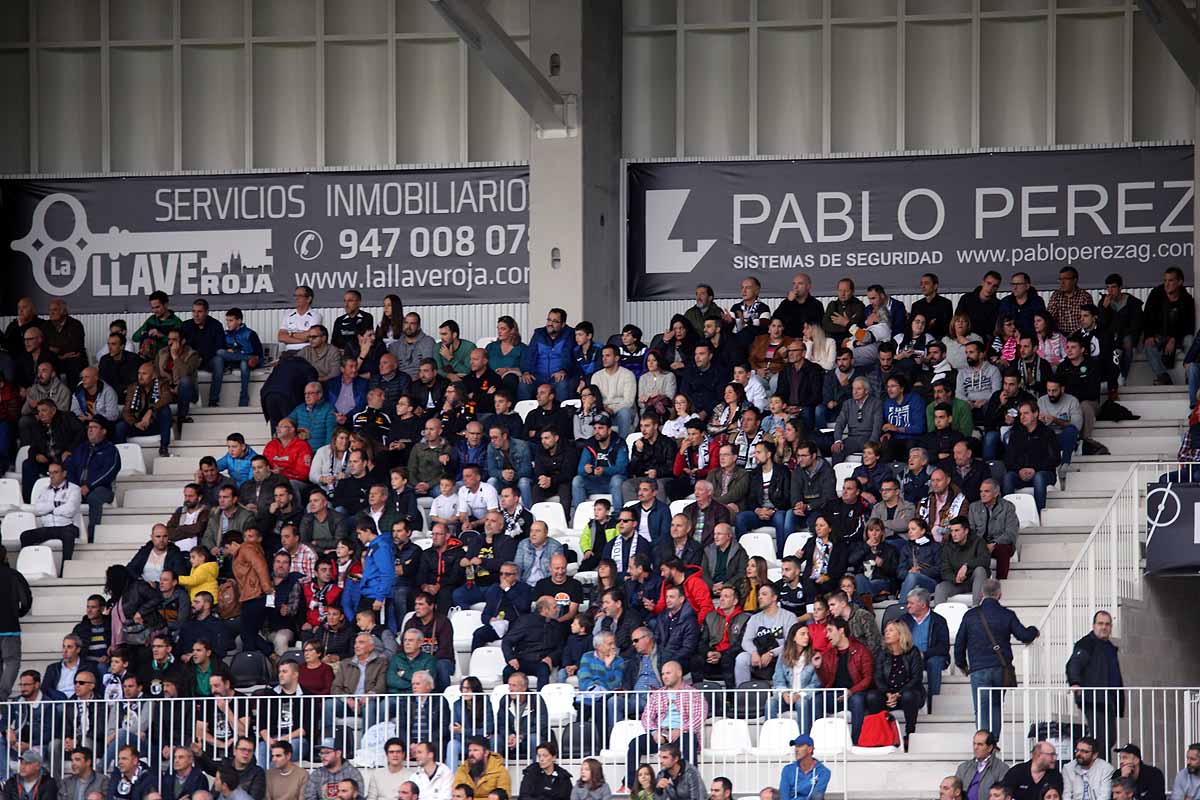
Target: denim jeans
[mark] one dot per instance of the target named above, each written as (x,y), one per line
(801,705)
(161,421)
(399,607)
(524,487)
(1068,437)
(747,521)
(1160,363)
(562,389)
(222,359)
(871,586)
(1193,379)
(992,445)
(913,580)
(187,394)
(96,498)
(6,443)
(467,596)
(934,666)
(625,421)
(583,485)
(1042,479)
(988,718)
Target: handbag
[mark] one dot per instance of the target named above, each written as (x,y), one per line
(1009,679)
(229,602)
(879,730)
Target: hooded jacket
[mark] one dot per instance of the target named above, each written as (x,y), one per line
(322,781)
(379,571)
(721,628)
(697,592)
(106,403)
(55,391)
(495,776)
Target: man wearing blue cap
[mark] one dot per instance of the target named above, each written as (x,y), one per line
(806,778)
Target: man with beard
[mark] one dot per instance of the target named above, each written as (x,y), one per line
(1001,412)
(482,770)
(1088,775)
(977,382)
(1032,368)
(1186,785)
(190,520)
(323,781)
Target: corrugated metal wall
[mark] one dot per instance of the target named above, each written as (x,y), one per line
(474,320)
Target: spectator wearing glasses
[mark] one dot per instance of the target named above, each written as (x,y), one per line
(1087,775)
(294,327)
(549,358)
(1023,303)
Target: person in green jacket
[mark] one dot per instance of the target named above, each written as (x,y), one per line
(453,355)
(961,419)
(599,531)
(152,335)
(965,563)
(408,662)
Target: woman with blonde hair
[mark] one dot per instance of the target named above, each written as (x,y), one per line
(821,349)
(899,677)
(956,340)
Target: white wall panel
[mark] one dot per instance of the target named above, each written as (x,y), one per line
(284,17)
(1012,84)
(356,17)
(790,79)
(14,22)
(789,10)
(864,88)
(499,128)
(140,19)
(211,19)
(214,108)
(717,107)
(68,20)
(356,111)
(68,95)
(937,97)
(648,95)
(1089,80)
(716,11)
(14,94)
(429,118)
(285,100)
(142,118)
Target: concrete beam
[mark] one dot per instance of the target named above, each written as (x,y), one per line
(1175,25)
(515,71)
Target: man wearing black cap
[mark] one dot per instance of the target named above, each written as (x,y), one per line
(603,464)
(1149,780)
(1027,779)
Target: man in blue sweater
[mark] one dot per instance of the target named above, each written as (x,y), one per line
(549,358)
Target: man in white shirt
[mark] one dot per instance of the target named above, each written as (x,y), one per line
(56,507)
(756,393)
(383,783)
(475,499)
(432,778)
(619,388)
(293,329)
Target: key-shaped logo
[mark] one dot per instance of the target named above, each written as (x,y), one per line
(222,251)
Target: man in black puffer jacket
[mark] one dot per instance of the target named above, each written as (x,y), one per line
(1033,455)
(533,638)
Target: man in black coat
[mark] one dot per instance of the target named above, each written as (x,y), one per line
(702,381)
(801,383)
(554,467)
(1148,781)
(1094,673)
(1028,780)
(534,642)
(283,389)
(1033,455)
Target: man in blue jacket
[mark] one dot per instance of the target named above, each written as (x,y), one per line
(346,392)
(654,516)
(94,467)
(806,778)
(676,631)
(982,649)
(603,464)
(509,463)
(931,635)
(314,417)
(240,346)
(549,358)
(379,569)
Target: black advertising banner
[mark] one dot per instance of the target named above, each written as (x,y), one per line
(888,220)
(1173,527)
(430,236)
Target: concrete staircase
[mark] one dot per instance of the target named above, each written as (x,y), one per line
(942,738)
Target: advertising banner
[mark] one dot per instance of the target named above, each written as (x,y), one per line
(888,220)
(430,236)
(1173,525)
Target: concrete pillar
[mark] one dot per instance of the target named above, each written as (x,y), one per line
(575,233)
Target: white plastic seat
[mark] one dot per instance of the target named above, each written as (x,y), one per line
(775,737)
(38,485)
(464,622)
(550,512)
(963,599)
(795,542)
(498,693)
(730,738)
(159,499)
(873,751)
(584,513)
(774,574)
(573,402)
(831,736)
(13,525)
(677,506)
(36,563)
(560,703)
(1027,513)
(953,614)
(757,543)
(483,341)
(523,407)
(487,664)
(631,438)
(452,693)
(619,738)
(132,460)
(841,472)
(22,457)
(10,492)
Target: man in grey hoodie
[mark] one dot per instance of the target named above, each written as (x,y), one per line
(677,779)
(763,640)
(323,781)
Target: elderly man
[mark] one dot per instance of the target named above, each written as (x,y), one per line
(858,421)
(363,674)
(994,520)
(534,643)
(931,636)
(984,770)
(314,418)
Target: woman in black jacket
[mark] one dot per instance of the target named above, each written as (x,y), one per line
(874,565)
(545,779)
(823,559)
(899,677)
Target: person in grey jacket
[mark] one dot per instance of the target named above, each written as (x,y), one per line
(106,402)
(83,779)
(677,779)
(591,784)
(812,487)
(413,347)
(994,520)
(893,510)
(985,769)
(858,422)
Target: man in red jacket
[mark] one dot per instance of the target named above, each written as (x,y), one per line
(687,576)
(848,665)
(288,455)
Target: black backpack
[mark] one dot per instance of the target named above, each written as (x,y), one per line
(22,595)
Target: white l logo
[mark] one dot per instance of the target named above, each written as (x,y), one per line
(664,254)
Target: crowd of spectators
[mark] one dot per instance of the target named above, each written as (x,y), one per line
(399,481)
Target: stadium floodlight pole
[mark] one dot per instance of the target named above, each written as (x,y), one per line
(515,71)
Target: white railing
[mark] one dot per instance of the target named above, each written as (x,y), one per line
(743,735)
(1161,721)
(1107,571)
